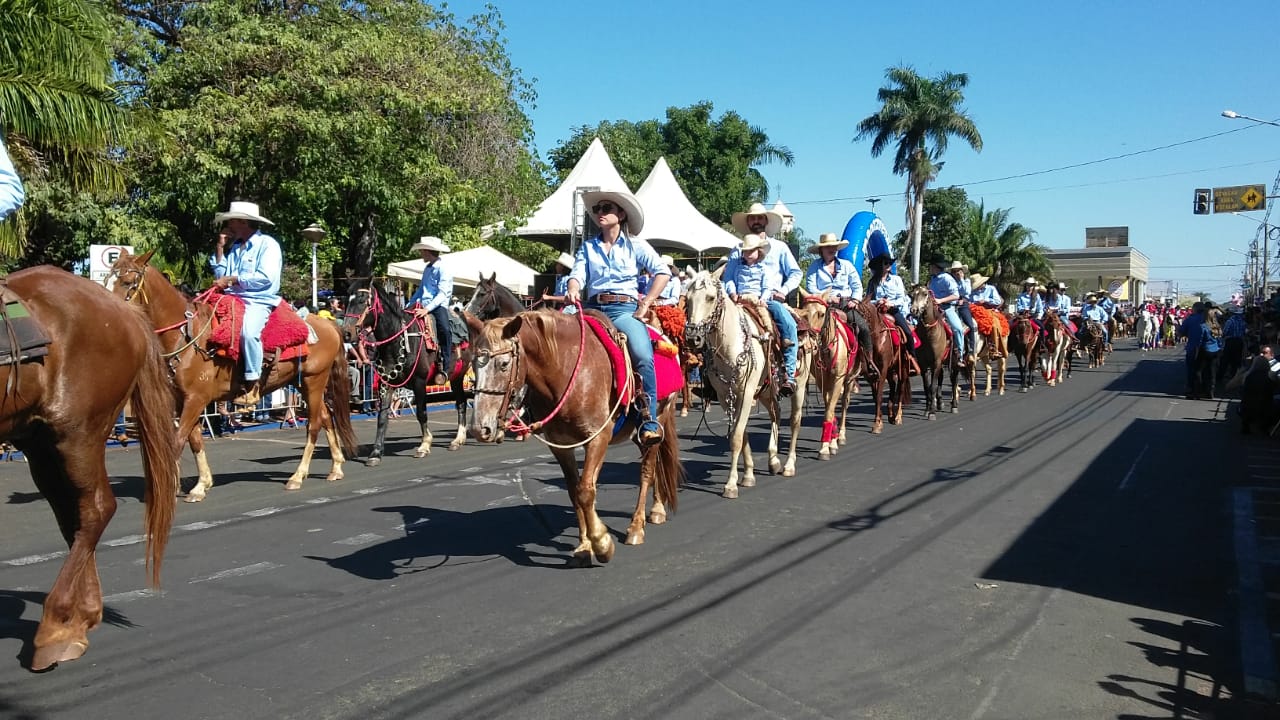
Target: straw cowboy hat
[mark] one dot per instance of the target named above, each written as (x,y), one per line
(977,280)
(1030,281)
(241,211)
(957,265)
(432,243)
(1062,286)
(623,199)
(667,260)
(771,228)
(753,242)
(566,260)
(828,240)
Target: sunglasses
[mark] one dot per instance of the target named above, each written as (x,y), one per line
(604,207)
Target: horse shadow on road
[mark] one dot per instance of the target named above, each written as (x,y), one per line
(434,538)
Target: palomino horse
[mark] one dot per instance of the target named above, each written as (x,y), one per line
(737,364)
(993,360)
(203,375)
(934,347)
(1094,342)
(893,362)
(552,366)
(401,357)
(1057,348)
(833,368)
(59,409)
(1024,343)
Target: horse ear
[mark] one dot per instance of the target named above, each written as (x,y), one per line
(512,328)
(145,257)
(493,277)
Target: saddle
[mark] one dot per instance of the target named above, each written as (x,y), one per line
(666,365)
(21,338)
(285,336)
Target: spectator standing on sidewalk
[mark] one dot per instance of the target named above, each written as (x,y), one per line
(1233,332)
(1190,329)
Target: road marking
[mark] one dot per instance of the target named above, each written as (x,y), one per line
(201,525)
(514,461)
(368,490)
(125,597)
(126,540)
(1172,404)
(237,572)
(33,559)
(410,525)
(319,500)
(1129,475)
(361,539)
(476,468)
(263,512)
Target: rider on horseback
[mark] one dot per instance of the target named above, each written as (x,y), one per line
(432,297)
(249,270)
(1109,307)
(837,275)
(783,275)
(958,271)
(1093,312)
(946,292)
(1030,302)
(886,291)
(985,296)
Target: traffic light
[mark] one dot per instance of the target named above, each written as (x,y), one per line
(1201,206)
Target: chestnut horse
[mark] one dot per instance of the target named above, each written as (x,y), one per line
(933,350)
(893,363)
(1024,342)
(401,358)
(549,365)
(202,375)
(1057,348)
(59,409)
(834,369)
(1093,340)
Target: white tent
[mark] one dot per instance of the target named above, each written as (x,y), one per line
(671,221)
(467,266)
(555,215)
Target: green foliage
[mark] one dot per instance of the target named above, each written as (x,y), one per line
(383,120)
(713,159)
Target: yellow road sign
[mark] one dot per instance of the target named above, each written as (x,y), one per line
(1239,198)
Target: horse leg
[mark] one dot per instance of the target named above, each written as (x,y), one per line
(569,469)
(188,427)
(686,392)
(73,477)
(737,441)
(380,431)
(597,539)
(424,424)
(797,410)
(845,398)
(774,409)
(956,375)
(828,448)
(460,404)
(314,386)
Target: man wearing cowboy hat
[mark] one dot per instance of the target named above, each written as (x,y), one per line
(984,295)
(958,270)
(836,276)
(670,294)
(249,270)
(946,292)
(555,298)
(782,272)
(1030,301)
(432,297)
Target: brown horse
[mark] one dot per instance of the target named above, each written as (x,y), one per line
(834,368)
(203,375)
(893,363)
(550,366)
(59,410)
(1024,342)
(933,350)
(1057,348)
(1093,341)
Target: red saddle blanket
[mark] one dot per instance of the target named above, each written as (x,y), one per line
(851,338)
(666,365)
(285,331)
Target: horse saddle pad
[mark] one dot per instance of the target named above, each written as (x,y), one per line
(21,337)
(285,331)
(666,361)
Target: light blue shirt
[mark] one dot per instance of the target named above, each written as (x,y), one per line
(1094,312)
(11,192)
(1108,306)
(744,279)
(846,284)
(943,285)
(434,289)
(892,291)
(782,270)
(986,294)
(1061,305)
(256,264)
(670,294)
(615,273)
(964,285)
(1027,301)
(562,285)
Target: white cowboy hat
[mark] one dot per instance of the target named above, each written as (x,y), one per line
(1062,286)
(753,242)
(771,228)
(566,260)
(623,199)
(828,240)
(667,260)
(1030,281)
(241,211)
(432,243)
(977,280)
(957,265)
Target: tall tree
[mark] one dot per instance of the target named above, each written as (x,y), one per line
(918,116)
(1004,249)
(383,120)
(58,107)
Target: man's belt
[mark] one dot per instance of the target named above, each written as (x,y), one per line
(610,299)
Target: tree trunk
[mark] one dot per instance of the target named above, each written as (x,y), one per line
(362,241)
(917,228)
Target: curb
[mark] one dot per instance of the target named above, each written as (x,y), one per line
(1257,649)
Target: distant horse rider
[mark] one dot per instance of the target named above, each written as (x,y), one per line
(435,290)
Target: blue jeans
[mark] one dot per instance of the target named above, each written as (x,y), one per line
(444,337)
(787,326)
(957,328)
(255,319)
(640,347)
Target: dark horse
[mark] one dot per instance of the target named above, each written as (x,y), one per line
(892,362)
(1024,342)
(491,300)
(203,375)
(1093,341)
(934,346)
(59,409)
(548,365)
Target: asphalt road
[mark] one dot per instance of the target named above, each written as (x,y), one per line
(1048,555)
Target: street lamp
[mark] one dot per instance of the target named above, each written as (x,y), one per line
(314,234)
(1237,116)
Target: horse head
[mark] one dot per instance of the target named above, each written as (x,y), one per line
(369,307)
(128,274)
(921,300)
(497,358)
(492,300)
(704,306)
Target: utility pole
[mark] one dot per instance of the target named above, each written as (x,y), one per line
(873,202)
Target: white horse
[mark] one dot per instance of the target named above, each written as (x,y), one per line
(1145,329)
(736,364)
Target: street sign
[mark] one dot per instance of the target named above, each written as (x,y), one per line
(1239,198)
(101,258)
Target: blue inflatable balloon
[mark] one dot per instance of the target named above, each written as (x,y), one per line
(867,238)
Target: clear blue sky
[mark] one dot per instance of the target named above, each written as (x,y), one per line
(1050,85)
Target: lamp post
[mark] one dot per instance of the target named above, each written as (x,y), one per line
(314,234)
(1237,116)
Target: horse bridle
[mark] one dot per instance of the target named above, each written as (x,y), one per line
(131,288)
(490,298)
(513,390)
(697,332)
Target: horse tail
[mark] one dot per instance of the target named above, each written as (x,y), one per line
(153,403)
(669,474)
(340,410)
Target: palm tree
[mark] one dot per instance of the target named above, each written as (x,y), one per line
(919,115)
(58,109)
(1004,249)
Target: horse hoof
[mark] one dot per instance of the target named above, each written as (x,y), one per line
(1002,391)
(954,409)
(775,466)
(986,394)
(193,498)
(1022,390)
(455,446)
(579,560)
(684,413)
(373,462)
(730,493)
(656,518)
(293,485)
(48,657)
(824,455)
(748,481)
(419,454)
(932,416)
(635,538)
(789,472)
(603,548)
(334,477)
